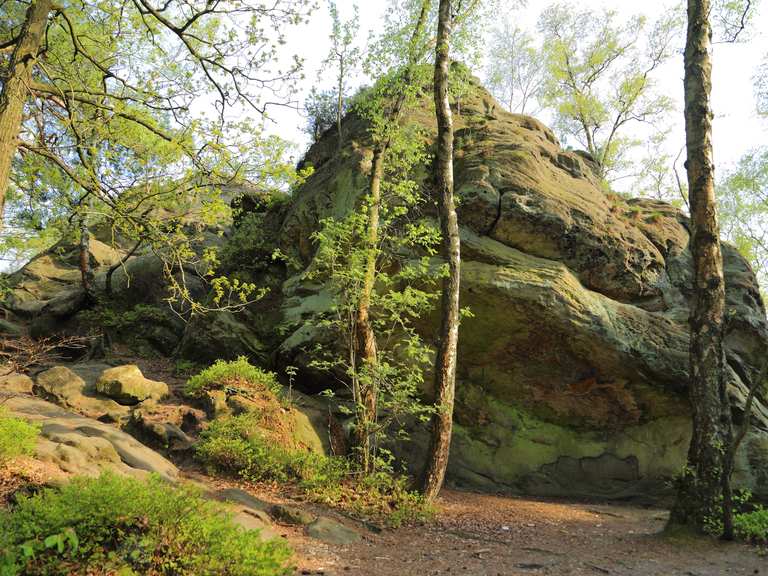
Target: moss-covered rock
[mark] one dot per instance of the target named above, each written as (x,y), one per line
(572,372)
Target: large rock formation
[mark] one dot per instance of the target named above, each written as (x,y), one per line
(572,373)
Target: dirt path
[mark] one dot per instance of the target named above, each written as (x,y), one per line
(484,535)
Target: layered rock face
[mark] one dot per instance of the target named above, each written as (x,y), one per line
(572,373)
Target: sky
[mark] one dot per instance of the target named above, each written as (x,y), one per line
(737,127)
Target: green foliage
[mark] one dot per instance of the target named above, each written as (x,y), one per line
(122,142)
(234,374)
(185,368)
(320,108)
(743,209)
(237,446)
(599,78)
(405,291)
(17,437)
(113,318)
(515,68)
(752,526)
(114,523)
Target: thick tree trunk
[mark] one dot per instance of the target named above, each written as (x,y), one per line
(445,362)
(14,92)
(366,388)
(705,482)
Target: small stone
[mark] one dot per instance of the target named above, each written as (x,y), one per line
(332,532)
(127,385)
(291,515)
(215,403)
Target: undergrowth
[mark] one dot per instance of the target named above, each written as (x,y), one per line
(236,446)
(125,526)
(17,437)
(752,526)
(234,375)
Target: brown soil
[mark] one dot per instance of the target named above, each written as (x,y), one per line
(485,535)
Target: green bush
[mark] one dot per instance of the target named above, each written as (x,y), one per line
(124,525)
(238,374)
(17,437)
(235,446)
(752,526)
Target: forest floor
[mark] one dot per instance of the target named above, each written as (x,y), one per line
(490,535)
(486,535)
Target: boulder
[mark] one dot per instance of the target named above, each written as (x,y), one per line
(60,385)
(64,387)
(15,383)
(249,511)
(127,385)
(84,446)
(8,328)
(221,336)
(291,515)
(572,373)
(161,425)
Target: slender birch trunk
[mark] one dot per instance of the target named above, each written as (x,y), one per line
(445,362)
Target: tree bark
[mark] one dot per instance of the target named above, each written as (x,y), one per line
(14,92)
(705,481)
(365,338)
(366,393)
(445,362)
(340,102)
(86,272)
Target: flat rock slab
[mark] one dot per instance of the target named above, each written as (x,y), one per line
(241,497)
(249,511)
(84,446)
(332,532)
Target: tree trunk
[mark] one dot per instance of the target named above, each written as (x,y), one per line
(705,482)
(365,339)
(14,92)
(445,362)
(340,102)
(86,272)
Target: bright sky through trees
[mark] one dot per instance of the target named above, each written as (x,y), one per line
(737,126)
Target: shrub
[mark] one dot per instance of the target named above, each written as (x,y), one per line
(237,446)
(17,437)
(236,374)
(123,525)
(752,526)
